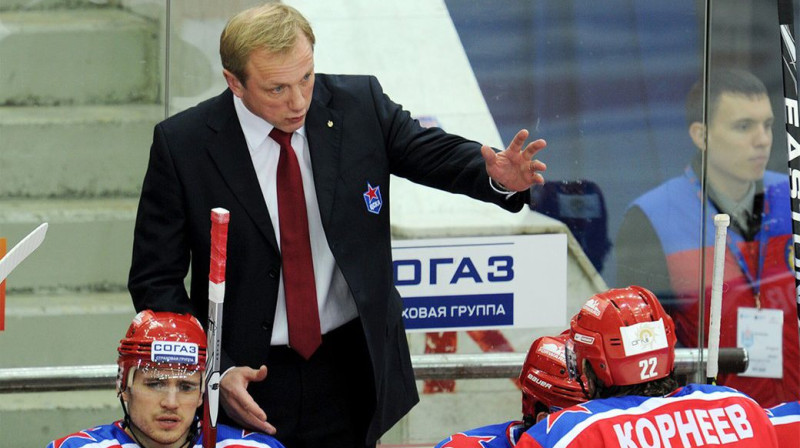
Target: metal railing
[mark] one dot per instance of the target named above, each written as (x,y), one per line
(426,367)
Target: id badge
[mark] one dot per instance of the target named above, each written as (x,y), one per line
(760,331)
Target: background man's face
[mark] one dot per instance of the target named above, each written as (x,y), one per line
(739,139)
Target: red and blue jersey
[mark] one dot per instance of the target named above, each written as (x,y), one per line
(692,416)
(113,436)
(786,420)
(501,435)
(758,272)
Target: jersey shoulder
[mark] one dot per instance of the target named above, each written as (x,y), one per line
(104,436)
(500,435)
(231,435)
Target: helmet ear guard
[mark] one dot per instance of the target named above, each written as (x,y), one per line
(626,337)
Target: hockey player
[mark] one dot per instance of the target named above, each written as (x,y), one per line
(160,382)
(786,420)
(621,349)
(546,387)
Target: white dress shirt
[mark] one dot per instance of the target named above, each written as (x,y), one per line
(334,301)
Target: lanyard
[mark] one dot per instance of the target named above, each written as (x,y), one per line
(753,280)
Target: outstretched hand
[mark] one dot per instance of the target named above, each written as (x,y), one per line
(238,404)
(515,168)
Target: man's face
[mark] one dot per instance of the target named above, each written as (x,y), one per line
(739,140)
(161,407)
(279,86)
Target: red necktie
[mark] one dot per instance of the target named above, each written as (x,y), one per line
(298,269)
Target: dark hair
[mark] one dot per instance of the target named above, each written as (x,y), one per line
(530,420)
(655,388)
(723,80)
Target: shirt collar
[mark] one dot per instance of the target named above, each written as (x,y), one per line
(255,128)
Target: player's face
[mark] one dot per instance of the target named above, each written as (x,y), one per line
(739,141)
(161,407)
(279,86)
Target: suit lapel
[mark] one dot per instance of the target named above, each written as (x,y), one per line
(324,132)
(230,154)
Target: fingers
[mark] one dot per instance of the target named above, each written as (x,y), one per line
(488,154)
(244,411)
(519,140)
(537,165)
(534,147)
(260,374)
(238,403)
(515,168)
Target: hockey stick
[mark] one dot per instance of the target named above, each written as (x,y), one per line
(216,296)
(21,251)
(789,52)
(9,261)
(2,289)
(721,223)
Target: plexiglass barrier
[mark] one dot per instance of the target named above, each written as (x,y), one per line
(638,161)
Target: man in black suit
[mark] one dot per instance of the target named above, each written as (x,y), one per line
(347,138)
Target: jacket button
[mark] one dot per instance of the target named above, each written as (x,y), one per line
(273,273)
(264,326)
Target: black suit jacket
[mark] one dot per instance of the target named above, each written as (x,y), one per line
(199,160)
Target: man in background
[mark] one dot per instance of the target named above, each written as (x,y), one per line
(659,243)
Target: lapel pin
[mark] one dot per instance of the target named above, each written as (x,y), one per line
(330,124)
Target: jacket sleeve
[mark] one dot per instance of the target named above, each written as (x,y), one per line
(432,157)
(160,259)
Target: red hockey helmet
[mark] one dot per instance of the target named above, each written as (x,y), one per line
(162,340)
(544,377)
(625,335)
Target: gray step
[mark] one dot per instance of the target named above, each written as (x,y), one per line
(44,330)
(88,244)
(75,151)
(32,420)
(30,5)
(92,56)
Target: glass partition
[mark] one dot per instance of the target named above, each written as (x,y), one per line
(658,115)
(647,150)
(195,71)
(81,87)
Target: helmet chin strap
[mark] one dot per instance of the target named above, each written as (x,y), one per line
(586,367)
(583,388)
(128,424)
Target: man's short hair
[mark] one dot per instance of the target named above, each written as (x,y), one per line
(272,27)
(721,80)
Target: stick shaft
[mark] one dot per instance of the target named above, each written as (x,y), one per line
(216,297)
(721,223)
(22,250)
(792,118)
(2,289)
